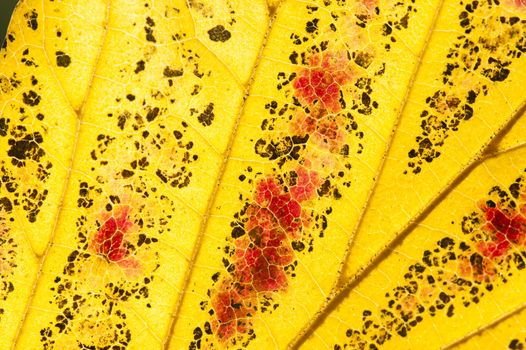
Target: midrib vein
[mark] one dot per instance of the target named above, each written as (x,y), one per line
(65,187)
(213,196)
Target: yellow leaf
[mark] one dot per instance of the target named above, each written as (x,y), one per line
(459,270)
(465,92)
(189,174)
(506,333)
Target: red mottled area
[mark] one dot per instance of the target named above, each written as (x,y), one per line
(109,240)
(505,228)
(306,184)
(286,210)
(325,130)
(261,256)
(320,83)
(520,3)
(262,253)
(231,313)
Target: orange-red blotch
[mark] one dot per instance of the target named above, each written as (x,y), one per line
(505,229)
(320,83)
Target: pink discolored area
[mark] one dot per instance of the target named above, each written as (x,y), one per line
(306,184)
(505,229)
(110,240)
(325,130)
(320,83)
(520,3)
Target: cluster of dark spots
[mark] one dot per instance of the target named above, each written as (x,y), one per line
(26,148)
(31,98)
(140,66)
(85,200)
(285,148)
(9,253)
(103,308)
(477,273)
(148,28)
(516,344)
(502,40)
(28,61)
(312,26)
(207,116)
(4,125)
(219,34)
(172,73)
(31,18)
(63,60)
(178,179)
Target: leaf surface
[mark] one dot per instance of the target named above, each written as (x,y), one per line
(189,174)
(465,92)
(456,272)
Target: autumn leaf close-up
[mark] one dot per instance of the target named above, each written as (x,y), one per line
(263,174)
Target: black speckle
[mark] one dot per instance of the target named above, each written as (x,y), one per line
(172,73)
(207,116)
(32,19)
(6,205)
(3,126)
(219,33)
(130,97)
(312,26)
(140,66)
(237,232)
(31,98)
(63,60)
(298,246)
(152,114)
(127,173)
(161,176)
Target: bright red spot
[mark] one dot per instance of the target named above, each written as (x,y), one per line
(322,81)
(109,240)
(505,229)
(520,3)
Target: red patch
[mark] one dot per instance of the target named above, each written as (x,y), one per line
(320,83)
(263,252)
(109,240)
(505,229)
(520,3)
(286,210)
(230,313)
